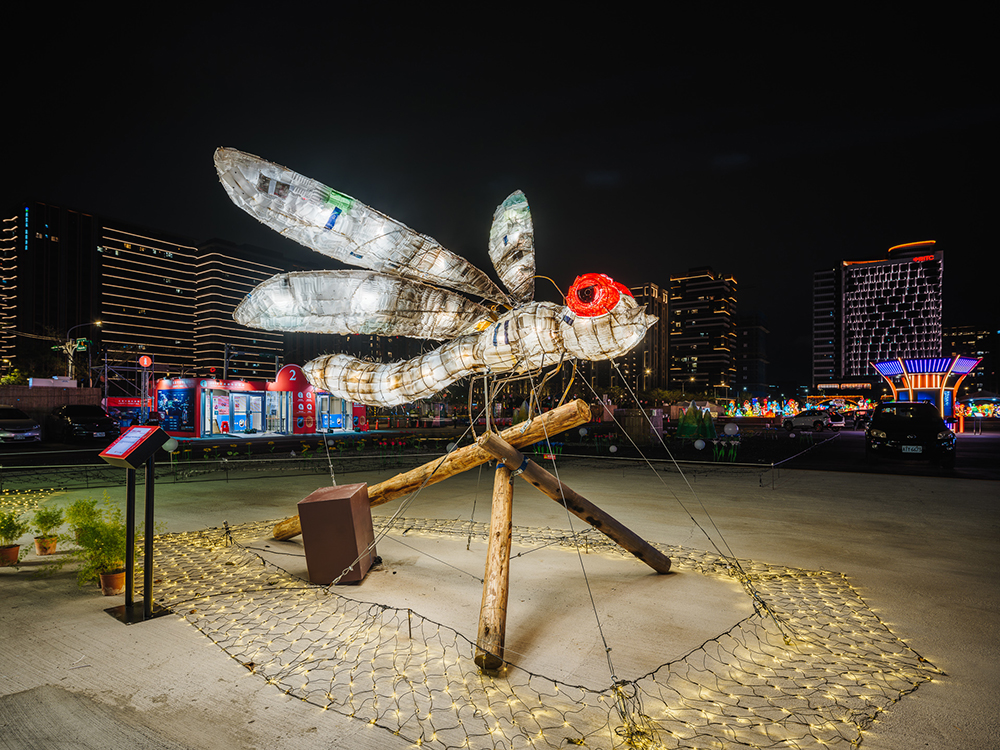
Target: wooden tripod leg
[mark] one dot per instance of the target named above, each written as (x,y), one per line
(575,503)
(493,611)
(560,419)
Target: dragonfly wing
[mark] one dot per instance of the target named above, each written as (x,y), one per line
(512,246)
(358,302)
(341,227)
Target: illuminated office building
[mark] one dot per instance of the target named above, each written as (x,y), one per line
(981,343)
(50,280)
(872,310)
(702,332)
(154,294)
(147,298)
(225,274)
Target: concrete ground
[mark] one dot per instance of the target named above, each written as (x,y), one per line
(922,552)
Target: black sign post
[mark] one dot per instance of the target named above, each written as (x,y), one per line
(137,446)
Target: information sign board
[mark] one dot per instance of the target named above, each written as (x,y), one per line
(134,447)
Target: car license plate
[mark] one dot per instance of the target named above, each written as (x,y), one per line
(913,449)
(101,434)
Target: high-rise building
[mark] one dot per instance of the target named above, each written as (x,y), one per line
(750,357)
(979,342)
(645,367)
(125,291)
(225,274)
(51,281)
(702,331)
(147,297)
(827,298)
(880,309)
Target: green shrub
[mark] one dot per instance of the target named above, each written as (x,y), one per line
(47,520)
(12,527)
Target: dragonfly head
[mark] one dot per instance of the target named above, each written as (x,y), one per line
(595,294)
(606,322)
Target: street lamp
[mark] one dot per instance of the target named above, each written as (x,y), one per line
(71,346)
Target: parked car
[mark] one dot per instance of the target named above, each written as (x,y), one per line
(857,418)
(81,422)
(815,419)
(909,430)
(837,420)
(18,427)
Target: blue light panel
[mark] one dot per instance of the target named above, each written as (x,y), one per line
(889,368)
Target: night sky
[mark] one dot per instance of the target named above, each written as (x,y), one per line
(645,147)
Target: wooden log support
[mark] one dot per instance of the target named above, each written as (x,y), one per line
(565,417)
(493,611)
(574,502)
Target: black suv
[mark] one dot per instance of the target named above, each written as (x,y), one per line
(81,422)
(909,430)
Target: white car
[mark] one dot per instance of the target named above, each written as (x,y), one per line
(815,419)
(18,427)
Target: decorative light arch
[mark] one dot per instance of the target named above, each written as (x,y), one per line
(934,379)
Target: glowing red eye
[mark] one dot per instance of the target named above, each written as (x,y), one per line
(594,294)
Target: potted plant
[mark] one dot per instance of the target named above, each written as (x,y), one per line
(81,512)
(12,528)
(47,520)
(102,541)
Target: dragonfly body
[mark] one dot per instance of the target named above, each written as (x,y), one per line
(527,338)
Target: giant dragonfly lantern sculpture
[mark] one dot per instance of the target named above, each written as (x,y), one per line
(414,287)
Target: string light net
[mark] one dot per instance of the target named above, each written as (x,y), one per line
(812,667)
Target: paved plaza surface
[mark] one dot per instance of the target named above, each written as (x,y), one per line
(921,552)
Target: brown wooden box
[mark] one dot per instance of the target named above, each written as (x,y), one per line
(336,529)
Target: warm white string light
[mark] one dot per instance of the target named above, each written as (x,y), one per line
(393,668)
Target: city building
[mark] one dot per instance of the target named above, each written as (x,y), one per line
(978,342)
(51,282)
(827,298)
(750,357)
(867,311)
(88,295)
(702,332)
(225,274)
(645,367)
(147,299)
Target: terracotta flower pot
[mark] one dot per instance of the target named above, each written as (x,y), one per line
(45,545)
(8,555)
(113,584)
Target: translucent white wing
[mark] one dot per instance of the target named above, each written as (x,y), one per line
(341,227)
(358,302)
(512,246)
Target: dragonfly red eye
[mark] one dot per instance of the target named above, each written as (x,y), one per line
(594,294)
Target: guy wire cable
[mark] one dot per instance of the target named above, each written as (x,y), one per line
(404,505)
(576,544)
(731,559)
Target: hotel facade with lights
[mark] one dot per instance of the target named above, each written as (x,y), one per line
(876,310)
(156,294)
